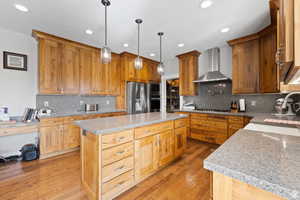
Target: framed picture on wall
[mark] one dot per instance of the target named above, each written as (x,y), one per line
(14,61)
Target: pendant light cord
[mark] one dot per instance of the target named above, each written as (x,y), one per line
(138,40)
(105,25)
(160,49)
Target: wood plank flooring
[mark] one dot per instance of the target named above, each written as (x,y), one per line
(59,179)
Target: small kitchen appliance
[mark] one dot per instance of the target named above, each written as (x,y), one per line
(91,107)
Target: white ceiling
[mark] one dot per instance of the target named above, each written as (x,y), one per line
(183,21)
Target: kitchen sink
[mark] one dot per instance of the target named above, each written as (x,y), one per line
(273,129)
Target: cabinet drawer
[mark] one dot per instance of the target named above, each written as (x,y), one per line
(18,130)
(117,153)
(209,136)
(198,116)
(236,120)
(152,129)
(51,121)
(111,171)
(117,185)
(181,123)
(115,139)
(211,126)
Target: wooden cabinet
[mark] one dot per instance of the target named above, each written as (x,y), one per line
(146,157)
(61,135)
(180,141)
(166,147)
(245,67)
(51,138)
(269,82)
(70,69)
(147,74)
(297,32)
(113,78)
(49,66)
(188,72)
(86,70)
(254,68)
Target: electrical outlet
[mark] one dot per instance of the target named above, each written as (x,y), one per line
(253,103)
(107,102)
(81,102)
(46,104)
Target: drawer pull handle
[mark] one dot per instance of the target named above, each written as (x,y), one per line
(121,138)
(119,168)
(120,152)
(121,183)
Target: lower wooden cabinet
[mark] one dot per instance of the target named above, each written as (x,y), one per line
(146,157)
(213,128)
(166,147)
(51,139)
(180,141)
(61,135)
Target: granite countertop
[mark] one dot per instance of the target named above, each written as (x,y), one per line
(114,124)
(265,160)
(77,113)
(256,117)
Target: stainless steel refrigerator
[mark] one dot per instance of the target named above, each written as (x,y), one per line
(137,97)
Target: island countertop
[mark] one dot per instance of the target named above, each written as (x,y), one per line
(265,160)
(114,124)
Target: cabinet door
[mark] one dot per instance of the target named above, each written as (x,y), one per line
(70,70)
(188,72)
(99,75)
(245,67)
(146,157)
(297,32)
(166,147)
(153,75)
(180,141)
(113,79)
(71,136)
(86,73)
(51,139)
(269,82)
(49,66)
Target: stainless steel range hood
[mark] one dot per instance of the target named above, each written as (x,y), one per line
(214,74)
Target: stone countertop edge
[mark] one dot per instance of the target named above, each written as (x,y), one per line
(251,180)
(112,130)
(69,114)
(20,124)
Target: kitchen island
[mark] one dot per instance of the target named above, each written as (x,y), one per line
(119,152)
(256,165)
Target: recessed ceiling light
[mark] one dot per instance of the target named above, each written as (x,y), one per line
(180,45)
(89,32)
(21,8)
(152,54)
(206,3)
(225,30)
(125,45)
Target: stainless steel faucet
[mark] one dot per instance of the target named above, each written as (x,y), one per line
(284,104)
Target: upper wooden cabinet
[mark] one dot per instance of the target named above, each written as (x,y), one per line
(147,74)
(297,32)
(67,67)
(70,69)
(49,66)
(188,72)
(254,69)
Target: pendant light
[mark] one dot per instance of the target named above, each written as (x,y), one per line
(138,63)
(160,67)
(105,51)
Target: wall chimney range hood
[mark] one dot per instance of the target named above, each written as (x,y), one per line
(214,75)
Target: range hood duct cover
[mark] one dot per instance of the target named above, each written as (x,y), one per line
(214,74)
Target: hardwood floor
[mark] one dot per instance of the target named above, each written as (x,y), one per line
(59,179)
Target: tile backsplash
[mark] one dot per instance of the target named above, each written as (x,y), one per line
(219,96)
(71,103)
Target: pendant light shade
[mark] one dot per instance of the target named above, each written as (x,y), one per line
(138,63)
(160,67)
(105,51)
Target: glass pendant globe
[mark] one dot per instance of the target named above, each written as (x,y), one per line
(138,63)
(161,68)
(105,55)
